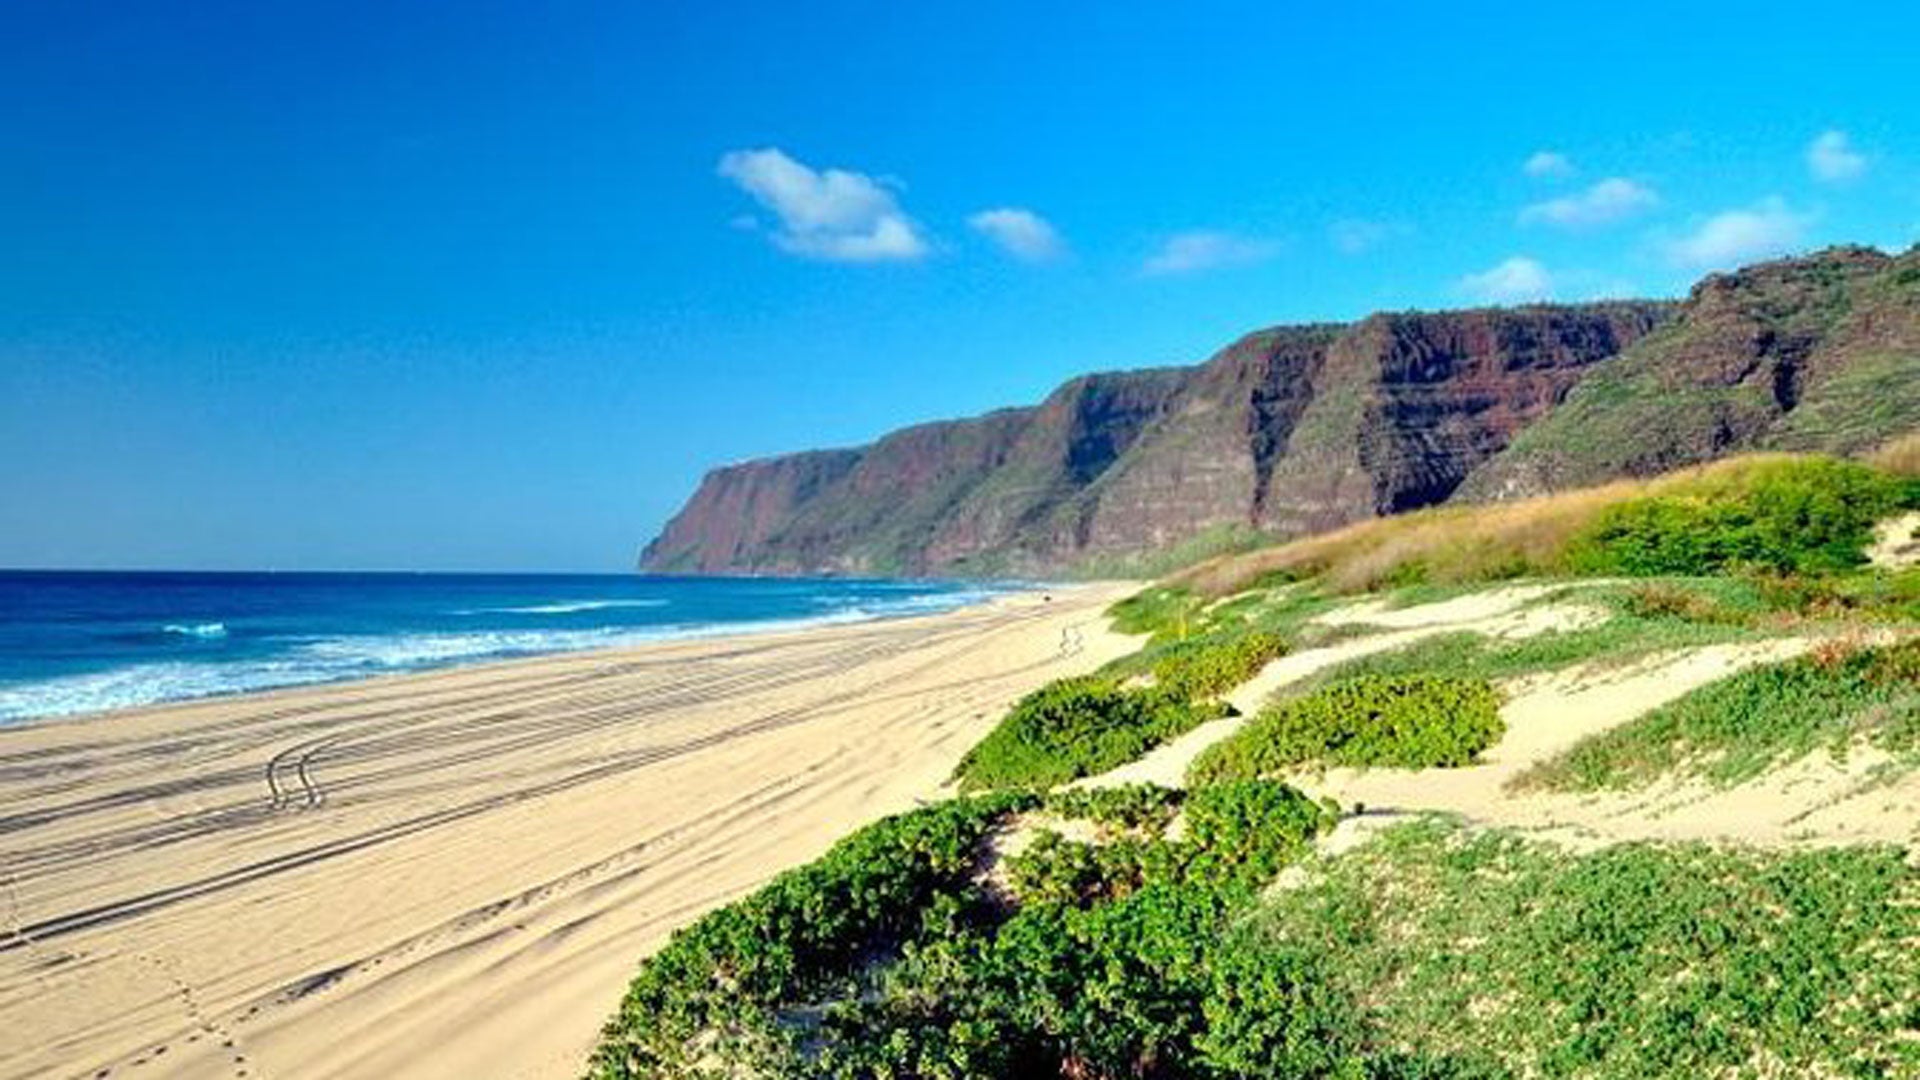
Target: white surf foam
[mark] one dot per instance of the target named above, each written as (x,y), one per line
(566,607)
(334,659)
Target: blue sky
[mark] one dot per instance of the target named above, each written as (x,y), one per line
(414,286)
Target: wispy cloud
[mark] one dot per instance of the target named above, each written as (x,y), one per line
(1832,158)
(833,214)
(1020,233)
(1357,236)
(1611,200)
(1547,164)
(1206,249)
(1733,237)
(1515,281)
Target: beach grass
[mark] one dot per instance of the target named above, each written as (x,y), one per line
(1842,696)
(1791,513)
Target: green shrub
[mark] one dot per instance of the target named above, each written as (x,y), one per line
(1208,665)
(1634,962)
(1735,729)
(1495,957)
(1790,512)
(1100,969)
(1212,666)
(716,984)
(1113,973)
(1076,727)
(1238,833)
(1056,870)
(1251,828)
(1803,515)
(1408,721)
(1271,1010)
(1128,807)
(1112,989)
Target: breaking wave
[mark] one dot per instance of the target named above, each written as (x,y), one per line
(294,660)
(567,607)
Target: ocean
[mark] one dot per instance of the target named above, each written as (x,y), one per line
(80,642)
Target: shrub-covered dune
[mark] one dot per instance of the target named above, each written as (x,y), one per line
(1161,933)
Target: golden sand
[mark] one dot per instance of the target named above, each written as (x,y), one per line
(454,874)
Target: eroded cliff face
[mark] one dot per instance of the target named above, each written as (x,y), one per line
(1286,430)
(733,520)
(1815,353)
(944,497)
(1300,429)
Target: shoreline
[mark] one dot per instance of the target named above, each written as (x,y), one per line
(630,638)
(455,872)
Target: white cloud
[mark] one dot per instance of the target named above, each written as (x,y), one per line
(1356,236)
(1206,249)
(1833,159)
(1610,200)
(1022,233)
(1547,163)
(1515,281)
(825,214)
(1733,237)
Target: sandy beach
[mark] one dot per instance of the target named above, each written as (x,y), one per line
(454,874)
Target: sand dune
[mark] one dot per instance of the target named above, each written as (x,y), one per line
(453,874)
(1817,800)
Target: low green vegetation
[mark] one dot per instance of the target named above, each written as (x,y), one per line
(1508,958)
(1078,727)
(1735,729)
(1098,961)
(1761,603)
(1430,952)
(1213,666)
(1165,613)
(1172,614)
(1126,808)
(1804,515)
(1143,932)
(1873,597)
(1785,513)
(1204,667)
(1634,620)
(715,991)
(1084,726)
(1406,721)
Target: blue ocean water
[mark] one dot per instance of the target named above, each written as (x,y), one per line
(77,642)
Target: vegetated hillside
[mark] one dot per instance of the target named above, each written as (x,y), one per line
(1299,430)
(1285,431)
(1820,353)
(1735,512)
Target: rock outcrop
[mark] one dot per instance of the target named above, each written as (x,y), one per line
(1285,430)
(1300,429)
(1817,353)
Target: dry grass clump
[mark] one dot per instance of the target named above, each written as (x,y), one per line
(1454,544)
(1900,457)
(1465,543)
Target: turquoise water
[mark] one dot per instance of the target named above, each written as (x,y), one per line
(86,641)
